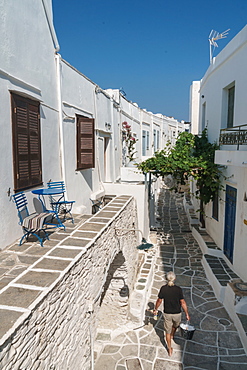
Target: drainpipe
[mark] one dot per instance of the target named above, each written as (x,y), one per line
(51,27)
(60,117)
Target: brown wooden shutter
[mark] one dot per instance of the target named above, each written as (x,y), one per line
(26,143)
(230,114)
(85,143)
(35,144)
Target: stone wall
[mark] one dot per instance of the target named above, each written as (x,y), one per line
(115,298)
(54,330)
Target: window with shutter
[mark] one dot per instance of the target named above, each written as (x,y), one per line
(230,113)
(158,139)
(155,141)
(215,207)
(147,140)
(26,143)
(85,143)
(144,138)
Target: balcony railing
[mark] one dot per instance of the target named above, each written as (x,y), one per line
(236,135)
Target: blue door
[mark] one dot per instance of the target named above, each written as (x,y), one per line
(230,215)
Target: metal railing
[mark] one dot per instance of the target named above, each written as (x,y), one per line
(236,135)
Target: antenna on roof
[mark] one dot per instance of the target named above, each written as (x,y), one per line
(121,90)
(212,38)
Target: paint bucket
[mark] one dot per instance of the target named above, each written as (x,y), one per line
(187,330)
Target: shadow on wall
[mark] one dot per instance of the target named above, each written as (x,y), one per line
(88,177)
(114,302)
(37,205)
(117,265)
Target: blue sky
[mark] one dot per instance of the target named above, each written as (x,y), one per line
(152,49)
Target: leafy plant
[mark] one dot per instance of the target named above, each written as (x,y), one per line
(192,156)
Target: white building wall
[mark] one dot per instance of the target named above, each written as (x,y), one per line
(27,67)
(104,124)
(140,193)
(117,144)
(194,106)
(146,140)
(158,125)
(228,68)
(136,112)
(77,99)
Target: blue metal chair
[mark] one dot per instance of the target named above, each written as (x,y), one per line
(58,203)
(32,224)
(96,205)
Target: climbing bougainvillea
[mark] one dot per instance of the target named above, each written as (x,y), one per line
(130,140)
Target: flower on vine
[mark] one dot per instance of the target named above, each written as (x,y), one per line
(126,125)
(129,140)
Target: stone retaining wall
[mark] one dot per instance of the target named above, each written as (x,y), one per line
(54,327)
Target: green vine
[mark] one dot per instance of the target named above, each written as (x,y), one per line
(192,156)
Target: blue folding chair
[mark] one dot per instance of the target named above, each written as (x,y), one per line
(32,224)
(58,203)
(97,205)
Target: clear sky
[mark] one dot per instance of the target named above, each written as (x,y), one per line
(152,49)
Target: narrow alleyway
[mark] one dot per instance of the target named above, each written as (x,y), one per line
(215,344)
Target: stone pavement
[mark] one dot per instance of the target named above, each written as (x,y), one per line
(215,345)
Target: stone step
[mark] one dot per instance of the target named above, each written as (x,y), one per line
(243,320)
(207,244)
(220,269)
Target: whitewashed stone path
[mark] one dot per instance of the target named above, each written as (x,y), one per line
(215,344)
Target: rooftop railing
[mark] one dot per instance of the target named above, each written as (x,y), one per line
(236,135)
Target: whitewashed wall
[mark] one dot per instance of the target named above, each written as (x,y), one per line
(140,193)
(194,106)
(27,67)
(228,67)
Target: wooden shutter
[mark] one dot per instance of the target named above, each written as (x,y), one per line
(143,142)
(158,140)
(147,140)
(231,94)
(215,207)
(85,143)
(155,141)
(26,143)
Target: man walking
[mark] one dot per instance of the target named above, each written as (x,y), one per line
(173,298)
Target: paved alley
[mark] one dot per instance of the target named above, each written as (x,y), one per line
(215,345)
